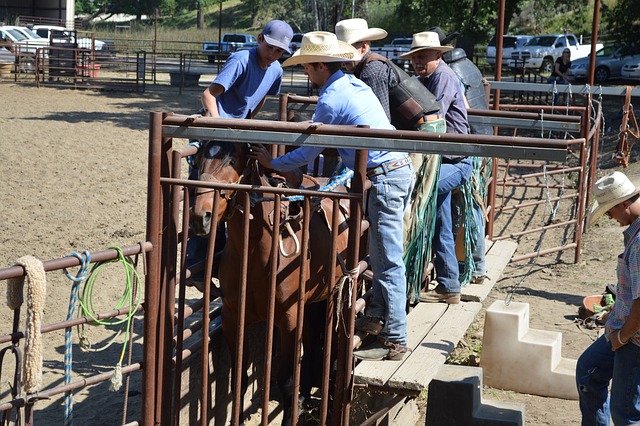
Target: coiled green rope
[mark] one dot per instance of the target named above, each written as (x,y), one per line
(129,299)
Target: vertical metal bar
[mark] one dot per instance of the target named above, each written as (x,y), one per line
(172,244)
(206,309)
(151,295)
(273,276)
(582,181)
(283,107)
(593,150)
(594,39)
(328,339)
(167,284)
(177,376)
(304,276)
(242,302)
(344,376)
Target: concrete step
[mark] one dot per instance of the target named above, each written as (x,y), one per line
(455,398)
(517,358)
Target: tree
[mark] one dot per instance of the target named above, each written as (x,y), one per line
(622,20)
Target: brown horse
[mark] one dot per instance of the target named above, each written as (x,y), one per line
(228,163)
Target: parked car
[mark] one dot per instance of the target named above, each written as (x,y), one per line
(230,43)
(631,68)
(609,62)
(509,43)
(398,46)
(24,46)
(58,34)
(541,52)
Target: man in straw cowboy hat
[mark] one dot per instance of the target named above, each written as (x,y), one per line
(426,58)
(615,357)
(373,69)
(346,100)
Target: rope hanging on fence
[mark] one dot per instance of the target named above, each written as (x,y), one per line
(420,223)
(85,260)
(36,288)
(129,299)
(472,192)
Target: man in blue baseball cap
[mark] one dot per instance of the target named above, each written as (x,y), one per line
(239,91)
(248,76)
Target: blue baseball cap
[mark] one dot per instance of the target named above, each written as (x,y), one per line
(278,33)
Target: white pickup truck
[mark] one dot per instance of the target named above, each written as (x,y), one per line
(542,51)
(398,46)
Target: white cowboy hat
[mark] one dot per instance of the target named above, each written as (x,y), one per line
(610,191)
(322,46)
(423,41)
(354,30)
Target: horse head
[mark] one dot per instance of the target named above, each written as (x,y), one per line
(221,162)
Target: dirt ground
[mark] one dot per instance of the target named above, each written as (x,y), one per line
(74,175)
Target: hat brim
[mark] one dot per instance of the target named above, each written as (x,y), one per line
(347,54)
(370,34)
(449,38)
(597,210)
(276,43)
(418,49)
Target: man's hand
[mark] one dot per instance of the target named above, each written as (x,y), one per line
(260,153)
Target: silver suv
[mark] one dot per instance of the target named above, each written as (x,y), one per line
(509,43)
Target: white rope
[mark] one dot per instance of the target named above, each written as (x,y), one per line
(350,277)
(296,251)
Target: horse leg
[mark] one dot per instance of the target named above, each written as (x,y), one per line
(229,330)
(313,338)
(287,330)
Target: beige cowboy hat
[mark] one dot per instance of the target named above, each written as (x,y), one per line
(354,30)
(610,191)
(423,41)
(322,46)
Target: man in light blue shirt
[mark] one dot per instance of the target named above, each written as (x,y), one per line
(345,100)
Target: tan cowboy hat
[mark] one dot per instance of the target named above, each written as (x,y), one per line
(354,30)
(322,46)
(610,191)
(423,41)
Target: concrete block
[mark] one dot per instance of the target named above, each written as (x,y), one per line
(455,398)
(515,357)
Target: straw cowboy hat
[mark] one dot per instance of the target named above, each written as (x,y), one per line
(356,29)
(610,191)
(321,46)
(423,41)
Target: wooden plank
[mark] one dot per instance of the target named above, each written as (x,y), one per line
(498,255)
(419,322)
(424,362)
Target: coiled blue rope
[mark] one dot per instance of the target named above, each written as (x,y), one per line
(85,260)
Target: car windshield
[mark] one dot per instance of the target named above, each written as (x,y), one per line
(31,33)
(541,41)
(17,35)
(507,42)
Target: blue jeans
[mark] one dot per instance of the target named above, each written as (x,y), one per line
(597,367)
(388,198)
(445,261)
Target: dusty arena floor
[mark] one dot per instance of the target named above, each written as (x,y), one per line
(74,176)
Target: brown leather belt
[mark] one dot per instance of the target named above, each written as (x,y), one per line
(388,166)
